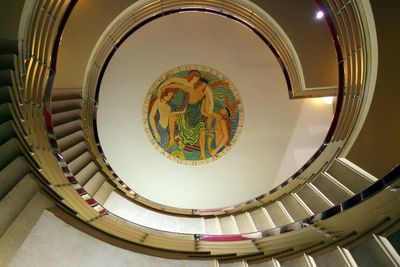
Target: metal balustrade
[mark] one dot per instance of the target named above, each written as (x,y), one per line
(344,222)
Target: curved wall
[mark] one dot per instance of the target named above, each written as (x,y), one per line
(278,135)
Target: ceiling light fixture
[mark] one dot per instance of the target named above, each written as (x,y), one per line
(319,15)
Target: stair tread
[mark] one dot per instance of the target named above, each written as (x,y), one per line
(67,128)
(70,140)
(8,131)
(16,233)
(278,216)
(74,151)
(65,105)
(348,177)
(301,261)
(16,199)
(6,77)
(331,258)
(294,208)
(260,219)
(330,189)
(312,199)
(66,116)
(244,223)
(369,253)
(11,174)
(80,162)
(9,151)
(87,173)
(5,92)
(5,112)
(93,185)
(103,193)
(65,94)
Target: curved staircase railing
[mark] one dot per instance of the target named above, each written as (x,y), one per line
(344,222)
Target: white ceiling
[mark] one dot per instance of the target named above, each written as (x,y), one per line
(278,135)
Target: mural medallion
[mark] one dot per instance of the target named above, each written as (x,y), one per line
(193,114)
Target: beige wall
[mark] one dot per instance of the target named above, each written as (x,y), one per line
(87,22)
(377,148)
(310,37)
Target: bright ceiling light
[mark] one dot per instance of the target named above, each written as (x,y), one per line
(328,100)
(319,15)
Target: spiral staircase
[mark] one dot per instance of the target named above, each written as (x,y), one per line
(340,209)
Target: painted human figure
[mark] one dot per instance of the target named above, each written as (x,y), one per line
(223,125)
(186,84)
(191,124)
(189,81)
(207,108)
(161,105)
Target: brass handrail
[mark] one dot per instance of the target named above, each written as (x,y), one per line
(37,118)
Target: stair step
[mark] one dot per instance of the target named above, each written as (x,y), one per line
(65,105)
(15,200)
(260,219)
(234,264)
(93,185)
(375,252)
(335,258)
(312,199)
(66,94)
(80,162)
(70,140)
(5,112)
(9,151)
(7,97)
(270,263)
(6,77)
(73,152)
(278,215)
(245,223)
(228,225)
(327,186)
(8,61)
(212,226)
(67,116)
(303,261)
(15,235)
(11,174)
(67,128)
(7,130)
(103,193)
(5,94)
(86,173)
(348,177)
(296,210)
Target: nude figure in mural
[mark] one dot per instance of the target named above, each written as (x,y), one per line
(207,108)
(161,104)
(223,125)
(189,81)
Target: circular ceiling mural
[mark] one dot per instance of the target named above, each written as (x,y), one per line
(193,114)
(278,136)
